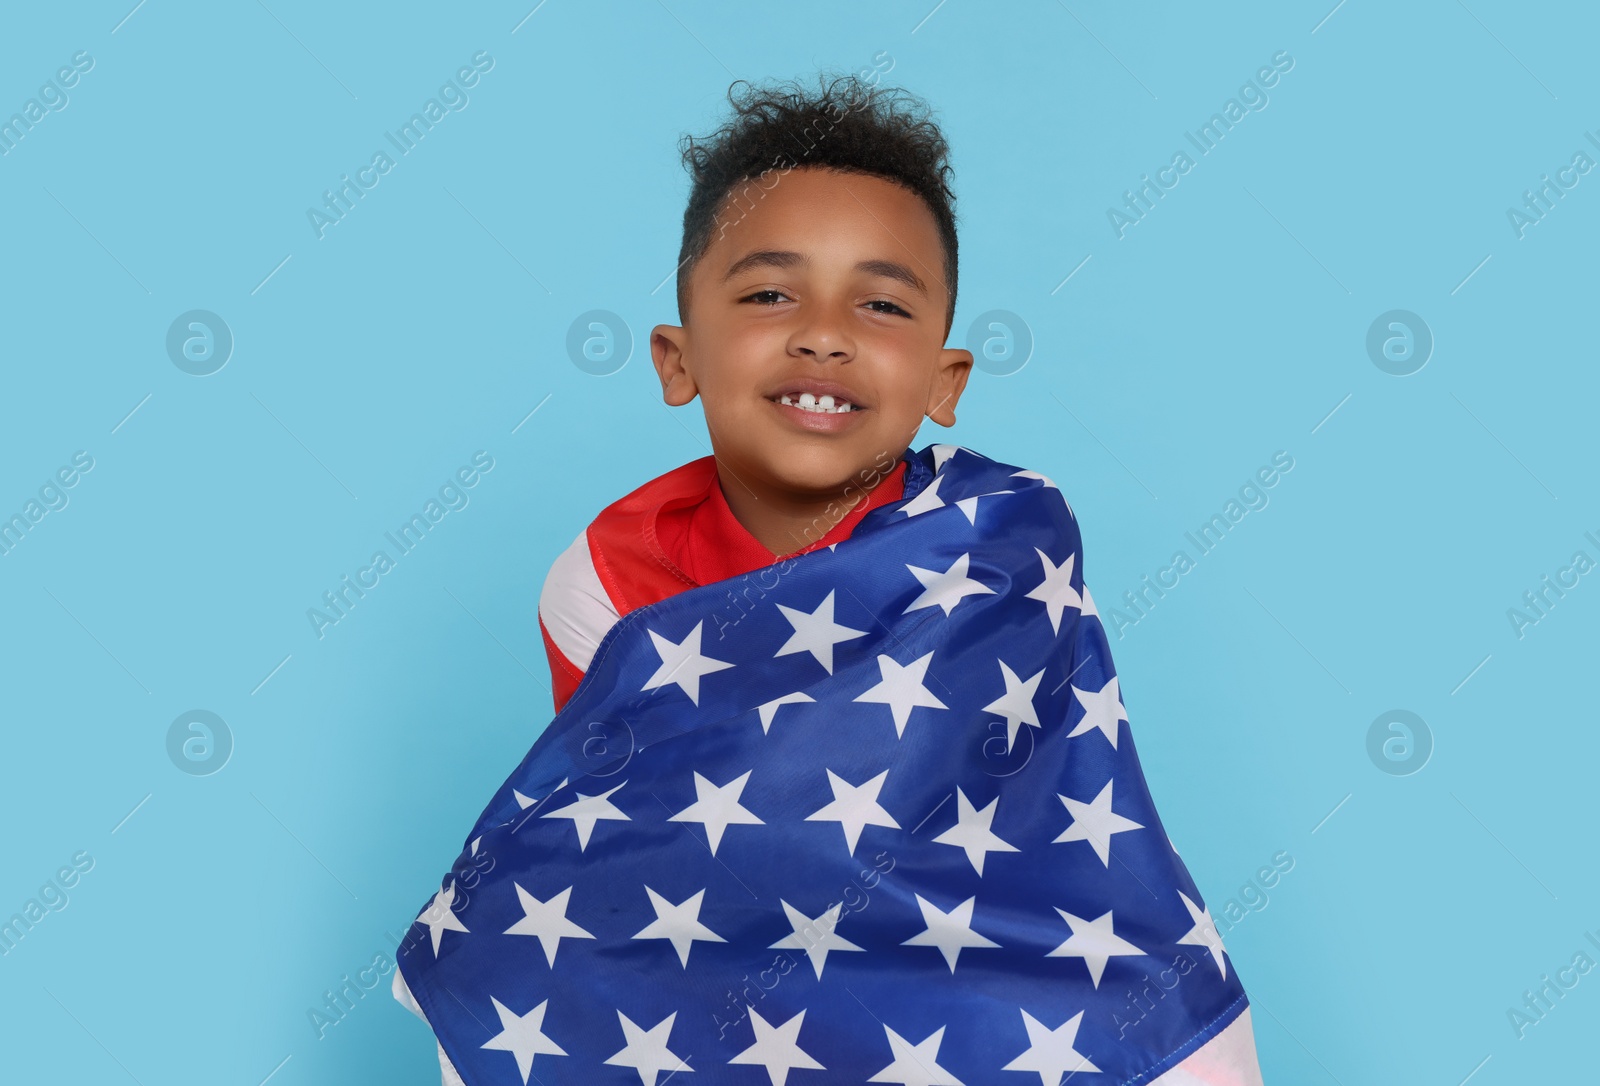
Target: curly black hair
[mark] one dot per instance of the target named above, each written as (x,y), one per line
(849,124)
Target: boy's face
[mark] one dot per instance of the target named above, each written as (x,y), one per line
(829,279)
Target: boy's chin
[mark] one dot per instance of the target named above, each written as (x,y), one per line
(828,471)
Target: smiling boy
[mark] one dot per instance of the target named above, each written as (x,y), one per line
(816,290)
(837,286)
(816,293)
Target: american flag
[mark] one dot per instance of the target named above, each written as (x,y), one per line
(873,814)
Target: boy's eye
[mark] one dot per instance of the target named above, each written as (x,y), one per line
(773,297)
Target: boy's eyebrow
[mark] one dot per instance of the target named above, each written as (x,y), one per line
(787,258)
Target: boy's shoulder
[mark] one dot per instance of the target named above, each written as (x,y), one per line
(615,563)
(686,482)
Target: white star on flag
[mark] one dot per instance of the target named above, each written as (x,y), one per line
(972,833)
(777,1048)
(647,1051)
(854,807)
(524,802)
(1095,822)
(678,924)
(768,709)
(1204,933)
(1045,479)
(813,934)
(943,452)
(916,1064)
(1050,1051)
(816,632)
(926,499)
(717,808)
(440,915)
(950,931)
(546,920)
(523,1036)
(587,810)
(1102,709)
(1048,482)
(682,663)
(1094,942)
(946,589)
(969,506)
(901,688)
(1016,704)
(1088,602)
(1056,591)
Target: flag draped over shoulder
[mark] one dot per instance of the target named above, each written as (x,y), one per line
(872,814)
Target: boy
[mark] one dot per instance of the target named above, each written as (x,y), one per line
(816,289)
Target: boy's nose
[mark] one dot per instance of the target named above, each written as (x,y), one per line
(822,338)
(824,354)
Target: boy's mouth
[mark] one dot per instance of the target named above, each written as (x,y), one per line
(817,406)
(823,404)
(817,397)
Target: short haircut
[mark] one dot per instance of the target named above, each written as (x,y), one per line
(847,124)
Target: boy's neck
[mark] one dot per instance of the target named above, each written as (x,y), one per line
(783,521)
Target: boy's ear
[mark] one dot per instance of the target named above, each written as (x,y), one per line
(668,349)
(955,366)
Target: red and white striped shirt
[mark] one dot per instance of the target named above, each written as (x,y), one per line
(673,533)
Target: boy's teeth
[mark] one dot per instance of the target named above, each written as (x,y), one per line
(810,402)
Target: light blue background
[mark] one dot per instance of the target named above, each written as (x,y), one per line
(1225,326)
